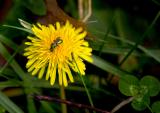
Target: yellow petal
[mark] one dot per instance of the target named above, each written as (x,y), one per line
(82,35)
(78,30)
(60,76)
(85,44)
(48,71)
(28,43)
(58,25)
(69,74)
(30,62)
(30,68)
(87,58)
(27,53)
(65,79)
(31,56)
(53,76)
(34,72)
(40,75)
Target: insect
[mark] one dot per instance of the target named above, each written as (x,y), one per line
(55,43)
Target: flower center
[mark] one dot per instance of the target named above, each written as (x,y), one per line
(55,43)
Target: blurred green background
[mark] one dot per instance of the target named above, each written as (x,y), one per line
(124,35)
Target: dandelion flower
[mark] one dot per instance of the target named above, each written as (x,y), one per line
(56,50)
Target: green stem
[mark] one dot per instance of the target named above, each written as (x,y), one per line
(47,106)
(106,34)
(4,52)
(31,105)
(63,97)
(88,94)
(86,89)
(149,108)
(9,60)
(141,39)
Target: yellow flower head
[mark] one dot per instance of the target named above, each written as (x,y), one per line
(57,49)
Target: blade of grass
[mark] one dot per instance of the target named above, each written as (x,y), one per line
(31,105)
(25,24)
(8,42)
(146,51)
(47,107)
(106,34)
(9,83)
(8,104)
(150,109)
(19,28)
(8,73)
(9,60)
(119,51)
(86,89)
(108,67)
(45,84)
(151,53)
(141,39)
(13,63)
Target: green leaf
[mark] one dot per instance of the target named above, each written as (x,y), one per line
(19,28)
(9,83)
(152,84)
(128,85)
(140,102)
(152,53)
(8,42)
(31,105)
(2,110)
(10,60)
(25,24)
(47,107)
(156,107)
(108,67)
(8,104)
(36,7)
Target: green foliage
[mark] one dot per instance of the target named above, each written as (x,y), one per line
(140,102)
(8,104)
(35,7)
(152,84)
(140,90)
(106,66)
(25,24)
(113,33)
(156,107)
(2,110)
(17,10)
(128,85)
(19,28)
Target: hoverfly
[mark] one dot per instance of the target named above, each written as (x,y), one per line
(55,43)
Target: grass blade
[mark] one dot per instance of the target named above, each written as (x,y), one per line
(148,52)
(108,67)
(12,62)
(8,104)
(141,39)
(19,28)
(8,42)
